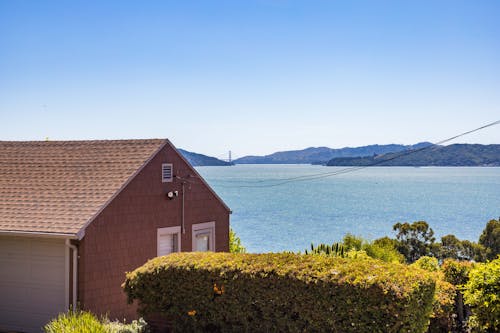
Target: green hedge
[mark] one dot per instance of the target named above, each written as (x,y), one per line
(224,292)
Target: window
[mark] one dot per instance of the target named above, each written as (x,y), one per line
(204,237)
(167,173)
(203,241)
(168,240)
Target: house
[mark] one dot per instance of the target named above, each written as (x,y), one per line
(76,215)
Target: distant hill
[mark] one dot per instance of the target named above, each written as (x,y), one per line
(202,160)
(321,155)
(452,155)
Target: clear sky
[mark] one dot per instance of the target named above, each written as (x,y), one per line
(253,77)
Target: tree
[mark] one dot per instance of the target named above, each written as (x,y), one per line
(235,245)
(451,247)
(386,242)
(482,294)
(454,248)
(352,242)
(474,251)
(385,249)
(415,240)
(490,239)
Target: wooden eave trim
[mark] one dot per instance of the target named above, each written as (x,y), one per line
(37,234)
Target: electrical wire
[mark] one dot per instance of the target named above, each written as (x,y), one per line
(283,181)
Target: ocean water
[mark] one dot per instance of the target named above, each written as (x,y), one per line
(367,202)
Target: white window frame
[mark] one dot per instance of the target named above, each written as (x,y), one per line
(171,166)
(202,228)
(168,231)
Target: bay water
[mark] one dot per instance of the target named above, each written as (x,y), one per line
(366,202)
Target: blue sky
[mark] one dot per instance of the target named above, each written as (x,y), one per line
(253,77)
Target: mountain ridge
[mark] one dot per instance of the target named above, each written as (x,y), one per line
(319,155)
(196,159)
(452,155)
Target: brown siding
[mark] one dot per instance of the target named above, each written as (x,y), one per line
(123,236)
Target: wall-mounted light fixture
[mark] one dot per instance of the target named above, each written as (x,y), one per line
(172,194)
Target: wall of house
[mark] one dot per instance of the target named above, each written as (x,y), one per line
(124,235)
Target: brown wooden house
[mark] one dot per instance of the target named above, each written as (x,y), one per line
(76,215)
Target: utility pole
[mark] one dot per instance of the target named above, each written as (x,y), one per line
(229,159)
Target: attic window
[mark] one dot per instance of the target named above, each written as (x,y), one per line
(167,173)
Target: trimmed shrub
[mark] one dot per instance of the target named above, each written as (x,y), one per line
(430,264)
(482,294)
(224,292)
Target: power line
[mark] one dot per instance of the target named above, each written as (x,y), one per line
(355,168)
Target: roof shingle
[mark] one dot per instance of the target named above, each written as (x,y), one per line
(57,186)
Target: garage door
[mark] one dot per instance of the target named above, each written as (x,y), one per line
(32,282)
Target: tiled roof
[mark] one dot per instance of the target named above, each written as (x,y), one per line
(58,186)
